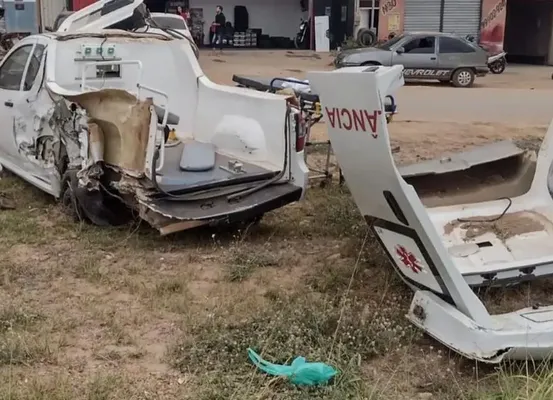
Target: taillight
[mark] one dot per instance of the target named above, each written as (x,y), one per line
(301,131)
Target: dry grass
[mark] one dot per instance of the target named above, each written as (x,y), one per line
(90,313)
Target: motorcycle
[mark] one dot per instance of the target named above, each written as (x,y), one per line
(497,63)
(301,41)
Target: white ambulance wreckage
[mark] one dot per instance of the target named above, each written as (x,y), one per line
(444,234)
(119,124)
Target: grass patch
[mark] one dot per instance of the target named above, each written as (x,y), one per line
(34,388)
(519,381)
(243,260)
(101,386)
(104,387)
(327,329)
(22,341)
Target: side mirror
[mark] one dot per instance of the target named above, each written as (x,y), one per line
(400,50)
(48,29)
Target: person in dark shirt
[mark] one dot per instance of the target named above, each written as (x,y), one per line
(219,27)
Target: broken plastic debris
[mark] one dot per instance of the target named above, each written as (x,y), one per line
(300,372)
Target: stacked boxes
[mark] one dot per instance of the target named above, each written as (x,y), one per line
(245,39)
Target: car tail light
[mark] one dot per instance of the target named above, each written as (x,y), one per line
(301,131)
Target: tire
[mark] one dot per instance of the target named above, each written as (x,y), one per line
(497,67)
(297,43)
(300,42)
(366,37)
(463,77)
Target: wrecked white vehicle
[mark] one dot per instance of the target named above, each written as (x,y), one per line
(94,120)
(127,15)
(444,234)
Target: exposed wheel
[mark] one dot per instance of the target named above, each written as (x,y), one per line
(366,37)
(463,77)
(497,67)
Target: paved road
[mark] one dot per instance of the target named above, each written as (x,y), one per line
(443,103)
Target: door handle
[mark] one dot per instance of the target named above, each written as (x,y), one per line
(8,104)
(432,58)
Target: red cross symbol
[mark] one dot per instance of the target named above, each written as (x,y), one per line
(408,259)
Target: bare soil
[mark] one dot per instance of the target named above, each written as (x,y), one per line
(120,313)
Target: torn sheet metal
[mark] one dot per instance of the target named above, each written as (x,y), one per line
(122,122)
(455,162)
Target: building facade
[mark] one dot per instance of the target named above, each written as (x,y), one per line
(523,28)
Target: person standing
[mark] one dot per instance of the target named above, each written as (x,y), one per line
(183,13)
(219,27)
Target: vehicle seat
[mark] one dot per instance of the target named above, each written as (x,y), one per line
(197,157)
(172,119)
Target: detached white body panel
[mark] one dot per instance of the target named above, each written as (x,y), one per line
(442,245)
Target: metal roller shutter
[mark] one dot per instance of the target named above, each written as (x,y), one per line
(462,17)
(422,15)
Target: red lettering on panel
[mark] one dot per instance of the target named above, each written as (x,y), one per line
(343,113)
(357,120)
(331,115)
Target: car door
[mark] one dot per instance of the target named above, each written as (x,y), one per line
(455,52)
(28,111)
(12,71)
(418,56)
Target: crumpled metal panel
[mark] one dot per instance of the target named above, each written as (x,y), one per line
(455,162)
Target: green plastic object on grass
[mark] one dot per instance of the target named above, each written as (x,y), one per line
(300,372)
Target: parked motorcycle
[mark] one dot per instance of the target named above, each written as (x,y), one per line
(497,63)
(301,41)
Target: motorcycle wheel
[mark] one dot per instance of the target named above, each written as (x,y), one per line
(497,67)
(298,42)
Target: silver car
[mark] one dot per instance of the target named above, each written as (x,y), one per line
(424,55)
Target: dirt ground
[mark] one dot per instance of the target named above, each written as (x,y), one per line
(120,313)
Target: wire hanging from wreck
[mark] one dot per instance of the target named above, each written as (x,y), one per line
(490,219)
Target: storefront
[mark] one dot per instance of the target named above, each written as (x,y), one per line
(253,23)
(391,19)
(461,17)
(250,23)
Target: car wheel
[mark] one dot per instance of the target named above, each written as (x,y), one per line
(463,77)
(370,63)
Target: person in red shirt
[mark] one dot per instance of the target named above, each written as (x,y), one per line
(183,13)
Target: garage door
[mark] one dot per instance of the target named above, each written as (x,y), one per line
(422,15)
(462,17)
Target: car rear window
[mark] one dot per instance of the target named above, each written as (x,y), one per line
(169,22)
(453,45)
